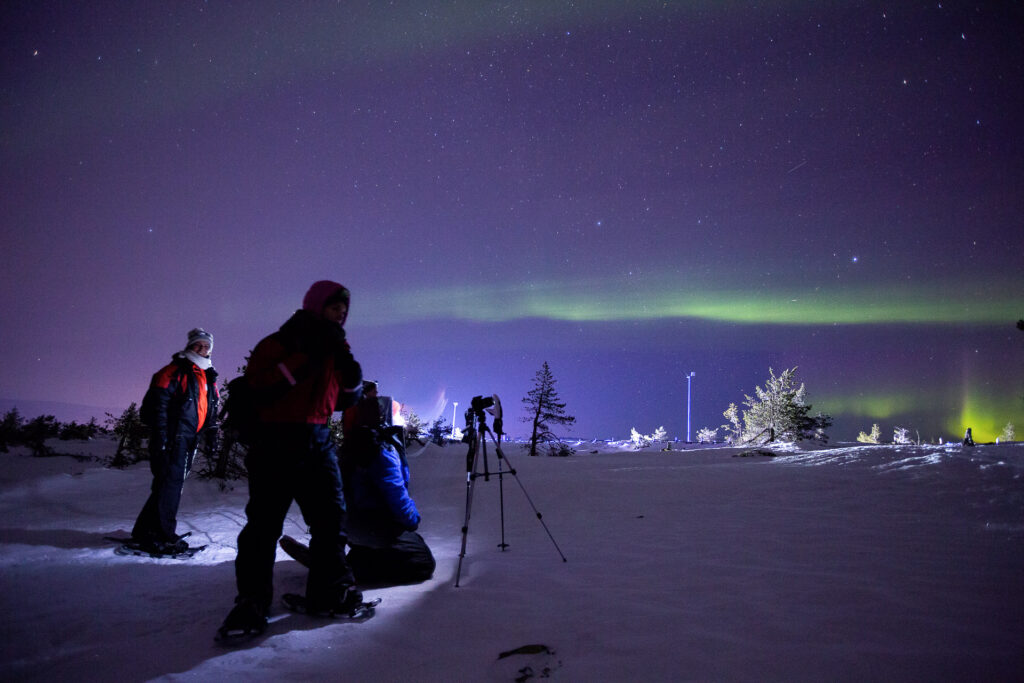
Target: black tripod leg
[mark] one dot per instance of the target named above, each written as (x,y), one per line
(501,503)
(540,518)
(470,480)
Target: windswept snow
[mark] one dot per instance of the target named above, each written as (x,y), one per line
(846,563)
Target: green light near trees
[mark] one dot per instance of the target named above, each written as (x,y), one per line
(986,417)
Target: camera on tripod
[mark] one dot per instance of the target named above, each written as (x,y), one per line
(477,407)
(481,403)
(476,457)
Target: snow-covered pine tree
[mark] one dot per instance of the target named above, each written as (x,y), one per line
(873,437)
(733,430)
(414,427)
(707,435)
(901,436)
(545,408)
(780,412)
(1008,433)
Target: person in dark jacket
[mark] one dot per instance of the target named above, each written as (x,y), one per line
(308,368)
(180,407)
(381,516)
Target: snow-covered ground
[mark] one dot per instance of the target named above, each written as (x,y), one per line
(850,563)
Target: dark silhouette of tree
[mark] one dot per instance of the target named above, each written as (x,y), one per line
(225,456)
(37,430)
(10,429)
(439,430)
(131,433)
(545,408)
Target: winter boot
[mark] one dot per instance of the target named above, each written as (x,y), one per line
(246,619)
(173,547)
(157,546)
(344,604)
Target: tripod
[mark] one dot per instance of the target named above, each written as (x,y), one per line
(476,436)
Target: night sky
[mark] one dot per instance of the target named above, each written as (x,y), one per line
(630,191)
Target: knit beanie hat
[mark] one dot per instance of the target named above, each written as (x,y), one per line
(324,293)
(198,335)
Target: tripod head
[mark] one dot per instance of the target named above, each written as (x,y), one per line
(476,429)
(476,417)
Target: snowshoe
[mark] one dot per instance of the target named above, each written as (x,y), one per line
(175,550)
(245,620)
(297,551)
(352,608)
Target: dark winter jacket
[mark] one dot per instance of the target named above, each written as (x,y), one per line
(182,399)
(309,367)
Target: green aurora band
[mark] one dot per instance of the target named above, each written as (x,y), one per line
(595,302)
(878,407)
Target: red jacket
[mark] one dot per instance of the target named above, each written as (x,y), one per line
(181,398)
(315,372)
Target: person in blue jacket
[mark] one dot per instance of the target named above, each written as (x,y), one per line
(382,517)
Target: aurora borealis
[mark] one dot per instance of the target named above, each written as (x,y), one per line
(629,191)
(597,300)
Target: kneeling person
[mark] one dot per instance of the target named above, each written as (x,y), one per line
(382,517)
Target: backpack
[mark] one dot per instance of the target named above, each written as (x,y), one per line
(240,415)
(148,409)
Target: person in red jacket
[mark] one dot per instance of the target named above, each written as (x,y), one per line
(309,369)
(180,407)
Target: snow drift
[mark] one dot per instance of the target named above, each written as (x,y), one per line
(848,563)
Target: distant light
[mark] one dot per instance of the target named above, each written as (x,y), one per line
(854,259)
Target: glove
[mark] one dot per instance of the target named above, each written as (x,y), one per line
(351,371)
(158,443)
(213,440)
(334,336)
(327,339)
